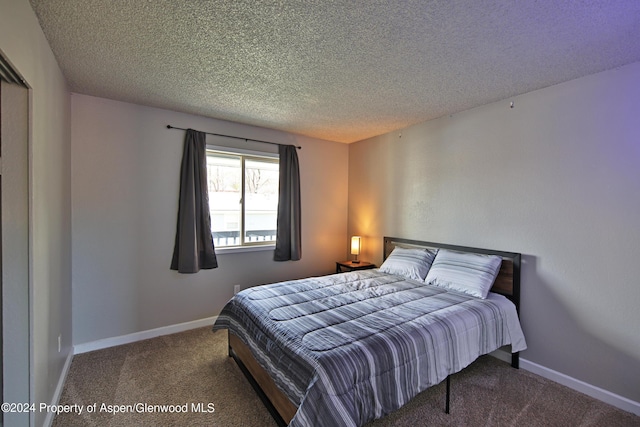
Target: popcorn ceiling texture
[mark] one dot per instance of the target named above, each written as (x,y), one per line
(335,70)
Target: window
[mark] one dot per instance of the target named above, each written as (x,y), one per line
(243,198)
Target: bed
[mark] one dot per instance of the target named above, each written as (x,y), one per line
(344,349)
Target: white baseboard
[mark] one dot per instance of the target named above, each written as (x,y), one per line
(143,335)
(59,387)
(588,389)
(573,383)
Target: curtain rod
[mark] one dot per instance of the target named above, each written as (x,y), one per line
(235,137)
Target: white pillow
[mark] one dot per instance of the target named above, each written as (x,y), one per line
(410,263)
(470,273)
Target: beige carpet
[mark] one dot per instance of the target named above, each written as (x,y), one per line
(193,367)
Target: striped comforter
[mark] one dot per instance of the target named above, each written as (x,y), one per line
(349,348)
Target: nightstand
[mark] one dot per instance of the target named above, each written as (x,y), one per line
(351,266)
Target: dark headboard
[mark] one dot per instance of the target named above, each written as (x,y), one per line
(507,282)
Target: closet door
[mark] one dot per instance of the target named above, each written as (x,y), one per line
(14,247)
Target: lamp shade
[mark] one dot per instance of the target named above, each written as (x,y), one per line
(355,245)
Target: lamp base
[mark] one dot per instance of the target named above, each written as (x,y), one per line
(355,261)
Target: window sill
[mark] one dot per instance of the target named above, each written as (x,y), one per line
(239,249)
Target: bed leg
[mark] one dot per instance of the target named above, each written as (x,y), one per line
(446,407)
(515,360)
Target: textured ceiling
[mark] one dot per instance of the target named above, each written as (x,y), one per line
(335,70)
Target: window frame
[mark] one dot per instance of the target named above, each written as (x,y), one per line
(245,154)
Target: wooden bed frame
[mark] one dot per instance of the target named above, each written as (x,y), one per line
(507,283)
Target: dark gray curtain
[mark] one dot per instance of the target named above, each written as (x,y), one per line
(193,249)
(288,238)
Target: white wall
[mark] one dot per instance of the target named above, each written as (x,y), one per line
(24,45)
(556,178)
(125,178)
